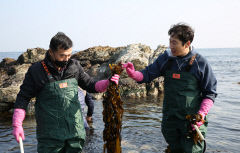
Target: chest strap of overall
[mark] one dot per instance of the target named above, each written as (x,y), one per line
(49,75)
(190,62)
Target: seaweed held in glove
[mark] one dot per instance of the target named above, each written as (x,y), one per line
(112,115)
(192,133)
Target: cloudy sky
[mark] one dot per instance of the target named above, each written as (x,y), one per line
(29,23)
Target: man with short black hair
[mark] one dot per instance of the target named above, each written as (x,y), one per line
(54,82)
(189,88)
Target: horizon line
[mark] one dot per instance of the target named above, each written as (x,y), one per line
(130,44)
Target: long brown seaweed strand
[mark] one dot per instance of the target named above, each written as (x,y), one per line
(112,115)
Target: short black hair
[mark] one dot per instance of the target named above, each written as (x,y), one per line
(182,31)
(60,41)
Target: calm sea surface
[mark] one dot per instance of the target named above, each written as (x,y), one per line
(142,118)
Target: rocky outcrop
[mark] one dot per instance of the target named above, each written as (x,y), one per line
(31,56)
(92,58)
(141,56)
(12,74)
(7,68)
(95,62)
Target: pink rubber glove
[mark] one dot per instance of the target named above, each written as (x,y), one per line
(206,105)
(102,85)
(135,75)
(115,78)
(18,117)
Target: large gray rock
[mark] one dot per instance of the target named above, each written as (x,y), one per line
(140,55)
(10,86)
(31,56)
(6,68)
(6,62)
(92,58)
(9,94)
(12,75)
(15,79)
(95,62)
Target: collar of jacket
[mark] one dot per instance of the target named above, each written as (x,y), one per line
(48,61)
(50,64)
(186,57)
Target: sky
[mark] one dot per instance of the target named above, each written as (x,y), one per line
(30,23)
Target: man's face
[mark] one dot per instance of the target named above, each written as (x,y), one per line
(177,48)
(61,54)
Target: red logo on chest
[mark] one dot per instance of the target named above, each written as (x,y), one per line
(63,85)
(176,76)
